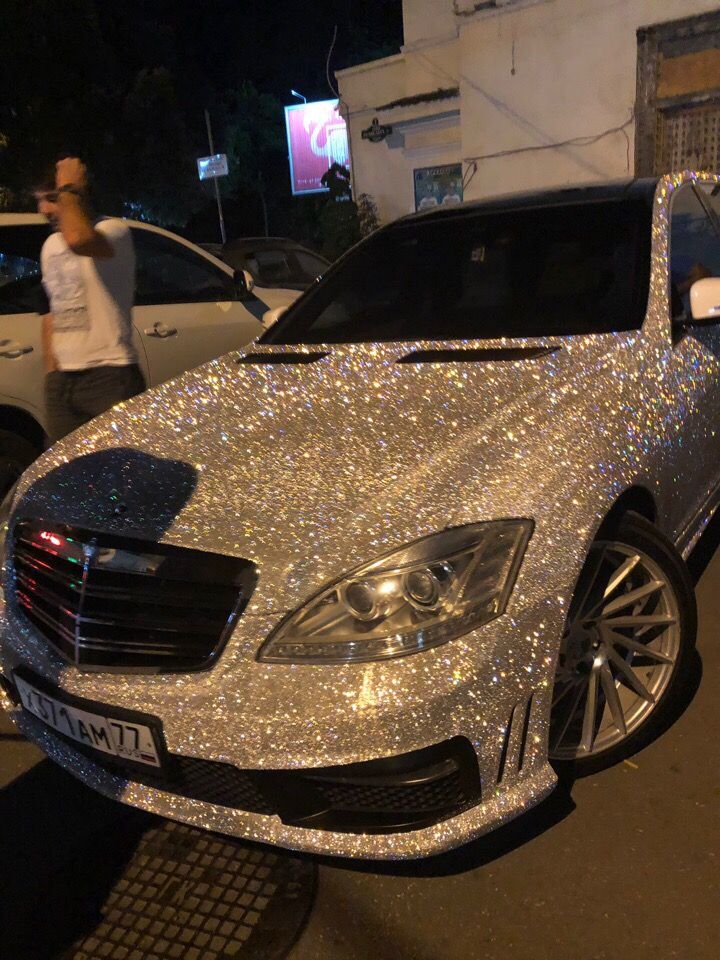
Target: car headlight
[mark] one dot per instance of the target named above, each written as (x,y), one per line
(412,599)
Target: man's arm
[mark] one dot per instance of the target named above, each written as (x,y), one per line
(75,225)
(48,355)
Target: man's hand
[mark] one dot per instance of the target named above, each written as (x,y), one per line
(74,217)
(48,356)
(71,172)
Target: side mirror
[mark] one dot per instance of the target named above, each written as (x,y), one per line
(249,281)
(242,287)
(705,300)
(271,317)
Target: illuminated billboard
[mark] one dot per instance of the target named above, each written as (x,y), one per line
(317,138)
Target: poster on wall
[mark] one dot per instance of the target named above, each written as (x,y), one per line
(317,138)
(438,186)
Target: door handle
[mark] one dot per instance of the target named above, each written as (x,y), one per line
(160,330)
(11,350)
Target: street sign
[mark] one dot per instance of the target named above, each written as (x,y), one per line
(376,132)
(211,167)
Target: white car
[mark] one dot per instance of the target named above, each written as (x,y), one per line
(190,307)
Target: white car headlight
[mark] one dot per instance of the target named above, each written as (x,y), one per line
(417,597)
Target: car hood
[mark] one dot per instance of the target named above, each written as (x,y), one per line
(309,468)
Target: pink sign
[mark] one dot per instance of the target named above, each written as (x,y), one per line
(317,138)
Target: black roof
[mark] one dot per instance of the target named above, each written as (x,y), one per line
(559,196)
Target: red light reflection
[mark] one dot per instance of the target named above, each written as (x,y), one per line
(52,538)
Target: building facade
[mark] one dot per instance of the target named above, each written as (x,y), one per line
(495,96)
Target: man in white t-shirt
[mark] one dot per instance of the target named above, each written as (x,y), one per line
(88,271)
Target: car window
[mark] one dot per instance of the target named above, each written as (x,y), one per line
(20,282)
(168,272)
(311,267)
(551,271)
(694,246)
(711,192)
(277,266)
(269,266)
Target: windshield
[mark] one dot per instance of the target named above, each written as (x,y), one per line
(550,271)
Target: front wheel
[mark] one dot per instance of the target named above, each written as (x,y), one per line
(16,454)
(626,647)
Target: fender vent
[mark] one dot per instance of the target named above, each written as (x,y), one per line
(512,752)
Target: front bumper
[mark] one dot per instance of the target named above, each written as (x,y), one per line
(300,823)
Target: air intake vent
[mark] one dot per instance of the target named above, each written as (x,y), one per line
(279,358)
(112,603)
(481,355)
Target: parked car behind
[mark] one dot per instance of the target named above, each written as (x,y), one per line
(427,535)
(190,307)
(275,266)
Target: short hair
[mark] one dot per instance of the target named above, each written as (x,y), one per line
(45,181)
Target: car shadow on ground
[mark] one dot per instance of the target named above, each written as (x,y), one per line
(83,877)
(63,848)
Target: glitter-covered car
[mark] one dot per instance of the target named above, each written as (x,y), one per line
(351,591)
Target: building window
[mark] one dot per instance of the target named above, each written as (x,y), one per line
(688,138)
(678,96)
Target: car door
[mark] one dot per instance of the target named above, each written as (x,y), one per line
(21,359)
(187,308)
(692,375)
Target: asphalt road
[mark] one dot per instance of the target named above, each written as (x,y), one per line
(622,864)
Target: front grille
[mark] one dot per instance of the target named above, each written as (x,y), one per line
(116,603)
(206,780)
(209,781)
(443,792)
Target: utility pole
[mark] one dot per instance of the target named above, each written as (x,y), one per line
(217,185)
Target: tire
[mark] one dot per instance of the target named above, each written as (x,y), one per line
(16,454)
(631,628)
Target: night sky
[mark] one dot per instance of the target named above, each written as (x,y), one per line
(124,83)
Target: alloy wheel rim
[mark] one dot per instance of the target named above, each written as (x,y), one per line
(618,654)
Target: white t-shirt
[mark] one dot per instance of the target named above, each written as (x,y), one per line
(91,300)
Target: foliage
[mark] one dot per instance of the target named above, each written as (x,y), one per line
(339,228)
(158,181)
(368,219)
(124,85)
(339,223)
(254,141)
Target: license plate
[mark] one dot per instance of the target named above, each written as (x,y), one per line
(120,738)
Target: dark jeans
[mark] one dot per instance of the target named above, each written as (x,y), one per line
(73,397)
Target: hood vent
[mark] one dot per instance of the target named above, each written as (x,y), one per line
(288,358)
(482,355)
